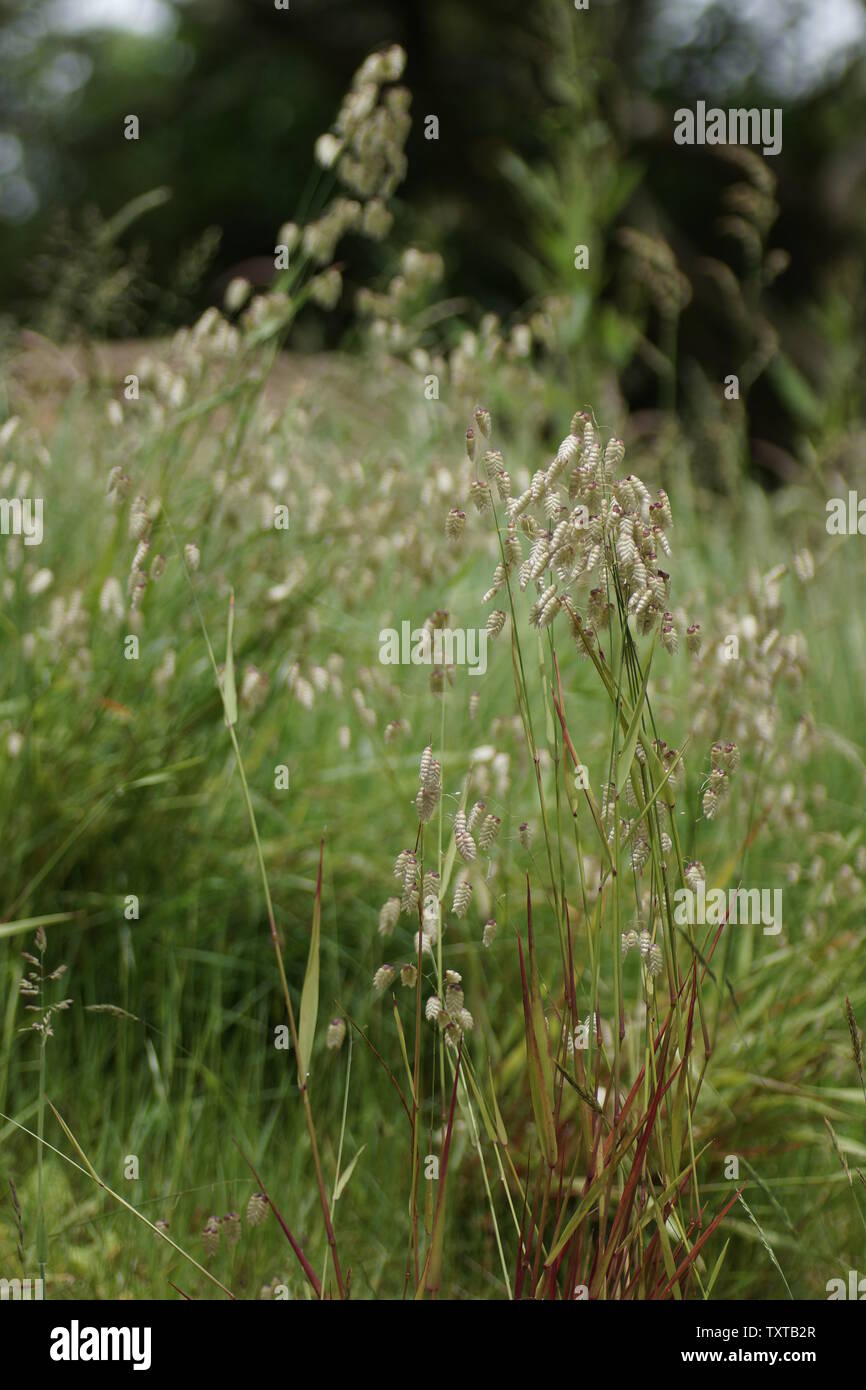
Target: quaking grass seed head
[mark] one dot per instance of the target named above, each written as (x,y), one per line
(231,1225)
(628,942)
(383,978)
(465,844)
(489,831)
(425,765)
(210,1236)
(475,815)
(462,896)
(695,874)
(655,960)
(257,1209)
(389,914)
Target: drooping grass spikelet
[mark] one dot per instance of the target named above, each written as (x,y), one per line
(462,896)
(257,1209)
(389,914)
(465,844)
(210,1236)
(489,831)
(495,622)
(383,978)
(231,1227)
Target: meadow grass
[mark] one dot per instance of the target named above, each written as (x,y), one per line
(122,787)
(203,831)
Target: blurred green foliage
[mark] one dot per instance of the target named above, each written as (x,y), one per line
(555,129)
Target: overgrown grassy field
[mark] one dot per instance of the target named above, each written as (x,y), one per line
(208,774)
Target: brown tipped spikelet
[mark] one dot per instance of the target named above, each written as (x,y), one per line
(475,816)
(257,1209)
(383,978)
(210,1236)
(231,1225)
(462,838)
(489,831)
(462,896)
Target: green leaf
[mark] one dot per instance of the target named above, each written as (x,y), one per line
(230,694)
(626,754)
(24,924)
(794,390)
(715,1274)
(451,855)
(539,1067)
(501,1131)
(310,991)
(344,1177)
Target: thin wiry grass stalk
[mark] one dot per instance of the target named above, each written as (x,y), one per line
(301,1257)
(416,1094)
(343,1118)
(89,1171)
(526,718)
(479,1150)
(41,1237)
(303,1085)
(302,1081)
